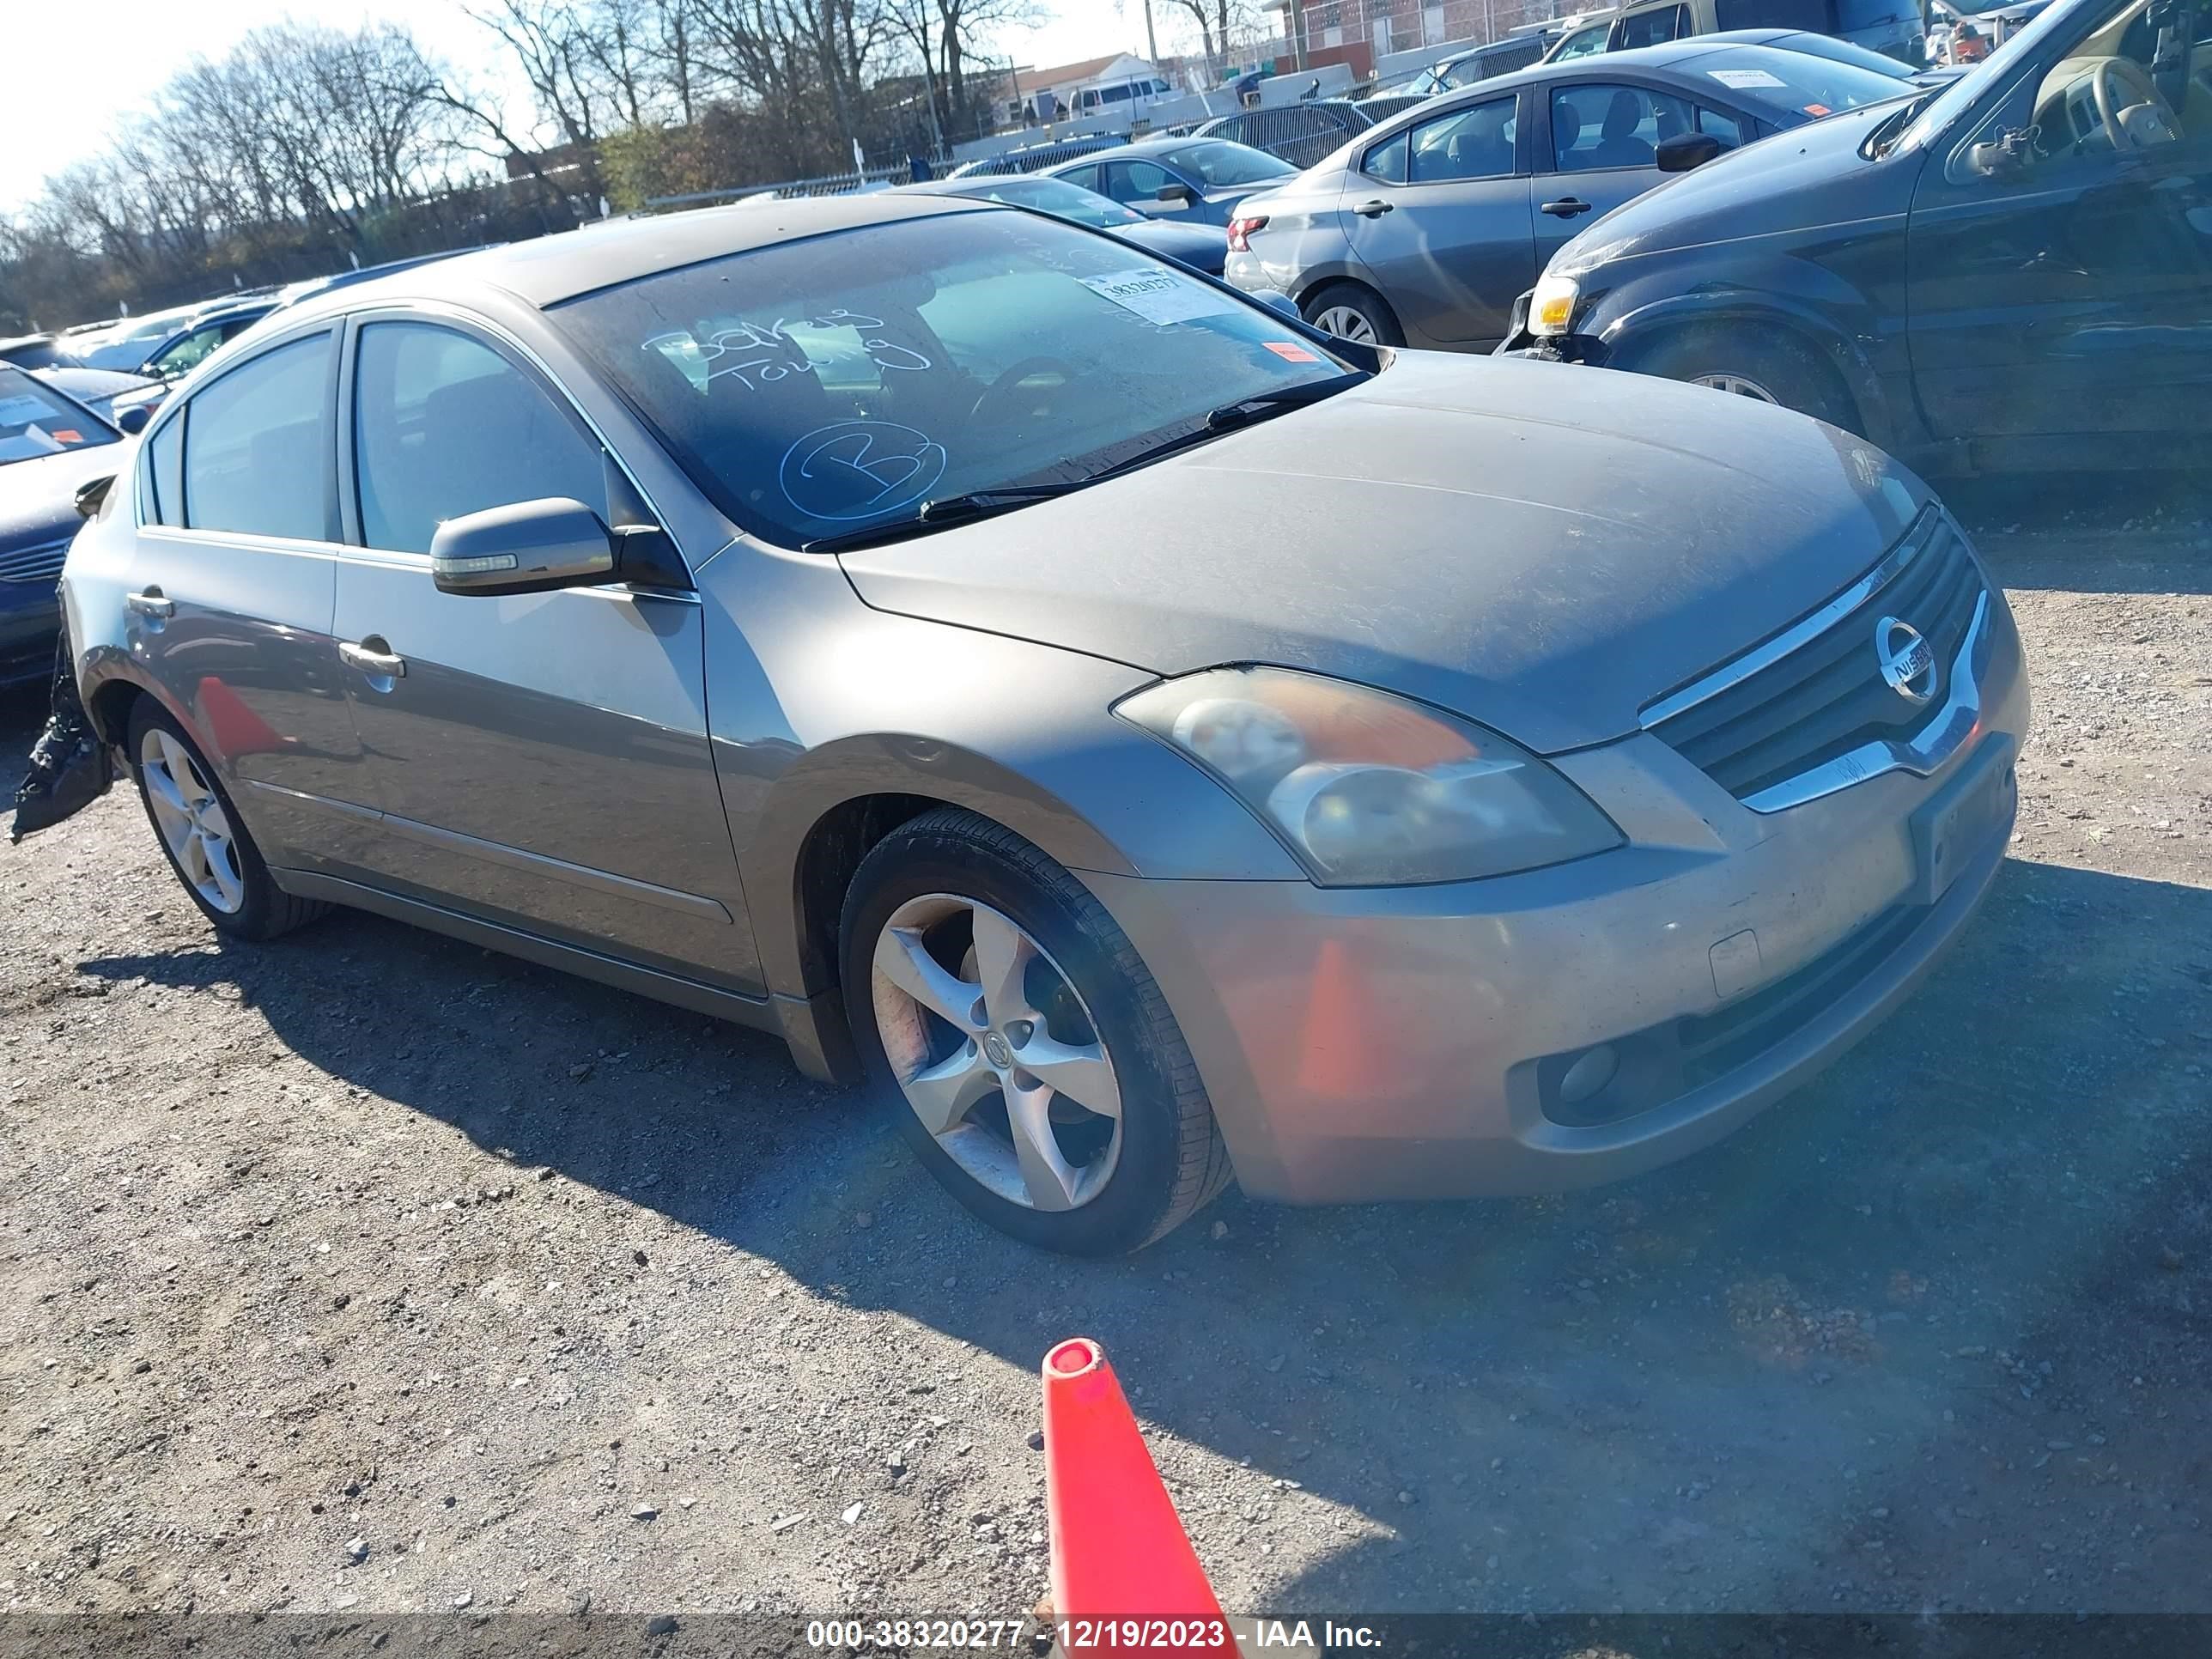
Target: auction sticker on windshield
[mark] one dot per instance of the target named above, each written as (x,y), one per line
(1743,80)
(1157,297)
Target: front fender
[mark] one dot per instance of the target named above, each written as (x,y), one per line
(1809,303)
(818,701)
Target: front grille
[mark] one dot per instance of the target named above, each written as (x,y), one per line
(1825,696)
(33,564)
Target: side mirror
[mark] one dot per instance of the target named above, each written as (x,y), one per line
(91,493)
(1182,193)
(530,547)
(133,419)
(1276,300)
(2005,157)
(1685,150)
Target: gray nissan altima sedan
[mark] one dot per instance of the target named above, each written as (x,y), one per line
(1142,739)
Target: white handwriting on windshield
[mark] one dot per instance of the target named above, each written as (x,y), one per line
(759,355)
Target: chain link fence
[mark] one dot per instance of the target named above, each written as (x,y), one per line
(1391,26)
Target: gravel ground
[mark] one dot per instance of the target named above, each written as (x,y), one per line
(367,1270)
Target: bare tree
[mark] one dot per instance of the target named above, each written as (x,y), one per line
(1216,21)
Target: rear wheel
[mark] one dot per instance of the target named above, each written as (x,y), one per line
(1025,1051)
(199,830)
(1352,312)
(1763,364)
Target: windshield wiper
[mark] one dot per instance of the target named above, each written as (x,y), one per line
(1245,409)
(942,511)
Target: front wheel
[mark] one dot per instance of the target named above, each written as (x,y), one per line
(1762,364)
(1024,1050)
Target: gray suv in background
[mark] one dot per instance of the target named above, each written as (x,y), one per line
(926,630)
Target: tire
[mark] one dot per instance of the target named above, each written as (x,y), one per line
(1763,363)
(1341,301)
(967,892)
(228,882)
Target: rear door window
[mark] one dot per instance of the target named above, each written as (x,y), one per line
(1476,142)
(1129,182)
(1387,161)
(258,448)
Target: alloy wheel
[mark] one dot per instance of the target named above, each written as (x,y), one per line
(1347,323)
(193,823)
(1740,386)
(995,1052)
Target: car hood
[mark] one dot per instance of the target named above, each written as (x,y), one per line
(1809,175)
(37,497)
(1203,246)
(1542,549)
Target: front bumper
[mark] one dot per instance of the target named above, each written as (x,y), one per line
(30,619)
(1408,1042)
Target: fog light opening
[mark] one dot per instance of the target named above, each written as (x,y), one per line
(1589,1074)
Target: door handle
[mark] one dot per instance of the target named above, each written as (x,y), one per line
(151,604)
(382,665)
(1374,210)
(1566,207)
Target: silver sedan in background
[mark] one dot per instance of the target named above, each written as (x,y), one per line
(1425,230)
(1142,741)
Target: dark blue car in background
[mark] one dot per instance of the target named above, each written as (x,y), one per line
(50,446)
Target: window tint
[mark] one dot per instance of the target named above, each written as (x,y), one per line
(1215,164)
(1649,28)
(1468,143)
(1136,181)
(165,459)
(443,425)
(1387,161)
(258,454)
(1602,126)
(1083,177)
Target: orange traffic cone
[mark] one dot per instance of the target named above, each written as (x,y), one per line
(1125,1579)
(1342,1045)
(235,728)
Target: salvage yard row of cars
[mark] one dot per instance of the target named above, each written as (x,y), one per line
(1146,738)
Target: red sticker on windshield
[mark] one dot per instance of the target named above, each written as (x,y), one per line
(1290,352)
(1816,109)
(67,434)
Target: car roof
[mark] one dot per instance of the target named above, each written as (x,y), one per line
(548,270)
(1671,55)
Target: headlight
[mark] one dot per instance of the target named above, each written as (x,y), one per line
(1552,309)
(1367,789)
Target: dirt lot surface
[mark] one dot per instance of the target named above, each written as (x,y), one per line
(367,1270)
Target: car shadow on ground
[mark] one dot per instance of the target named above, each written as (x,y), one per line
(1579,1402)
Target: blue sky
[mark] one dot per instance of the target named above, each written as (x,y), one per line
(92,74)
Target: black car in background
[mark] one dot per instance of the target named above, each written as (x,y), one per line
(1202,247)
(2014,270)
(50,446)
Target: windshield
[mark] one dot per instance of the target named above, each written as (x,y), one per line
(1061,199)
(1794,87)
(1938,112)
(35,421)
(822,386)
(1216,162)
